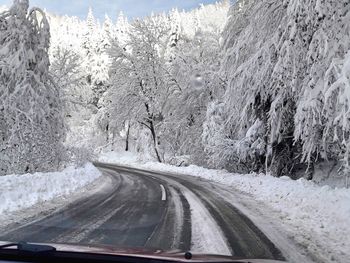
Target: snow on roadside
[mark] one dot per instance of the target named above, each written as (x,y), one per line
(118,157)
(318,215)
(18,192)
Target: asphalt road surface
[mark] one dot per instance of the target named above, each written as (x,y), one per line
(140,208)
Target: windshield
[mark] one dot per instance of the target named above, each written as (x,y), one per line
(159,127)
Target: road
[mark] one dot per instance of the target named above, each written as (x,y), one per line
(141,208)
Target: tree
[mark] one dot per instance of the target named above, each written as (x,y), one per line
(284,75)
(32,127)
(322,113)
(96,61)
(140,81)
(194,68)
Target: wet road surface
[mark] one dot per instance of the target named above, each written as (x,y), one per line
(140,208)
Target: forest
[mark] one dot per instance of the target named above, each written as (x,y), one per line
(246,85)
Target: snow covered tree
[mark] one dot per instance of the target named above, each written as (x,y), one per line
(32,127)
(67,72)
(140,81)
(322,119)
(173,69)
(281,75)
(122,27)
(195,69)
(108,31)
(96,61)
(70,67)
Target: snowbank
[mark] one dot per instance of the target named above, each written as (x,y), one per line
(318,215)
(22,191)
(118,157)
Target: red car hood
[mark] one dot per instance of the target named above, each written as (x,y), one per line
(148,253)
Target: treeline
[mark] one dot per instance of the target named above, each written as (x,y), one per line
(256,86)
(141,85)
(268,93)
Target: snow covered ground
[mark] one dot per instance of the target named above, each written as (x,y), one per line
(18,192)
(316,217)
(119,157)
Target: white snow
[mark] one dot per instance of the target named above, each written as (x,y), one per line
(163,192)
(118,157)
(207,236)
(18,192)
(319,216)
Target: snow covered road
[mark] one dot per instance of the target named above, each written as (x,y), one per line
(139,208)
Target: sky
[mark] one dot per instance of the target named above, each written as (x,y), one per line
(131,8)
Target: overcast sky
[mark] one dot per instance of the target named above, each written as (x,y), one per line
(131,8)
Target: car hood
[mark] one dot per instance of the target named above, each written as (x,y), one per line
(175,255)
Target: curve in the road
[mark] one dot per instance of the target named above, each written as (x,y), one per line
(243,238)
(140,208)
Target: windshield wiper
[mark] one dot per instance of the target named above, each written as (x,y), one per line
(29,248)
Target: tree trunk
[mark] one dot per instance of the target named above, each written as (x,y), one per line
(113,137)
(153,132)
(107,133)
(127,138)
